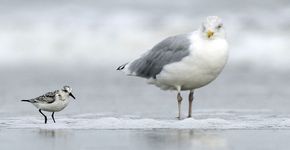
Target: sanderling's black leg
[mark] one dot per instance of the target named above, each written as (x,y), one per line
(190,99)
(45,118)
(52,116)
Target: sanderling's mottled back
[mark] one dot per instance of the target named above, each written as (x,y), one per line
(184,62)
(52,101)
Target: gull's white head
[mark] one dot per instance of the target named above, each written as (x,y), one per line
(212,28)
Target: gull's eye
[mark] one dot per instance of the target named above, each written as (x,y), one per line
(219,26)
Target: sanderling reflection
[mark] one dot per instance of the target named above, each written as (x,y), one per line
(184,62)
(52,101)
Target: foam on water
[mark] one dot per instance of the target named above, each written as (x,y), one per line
(202,120)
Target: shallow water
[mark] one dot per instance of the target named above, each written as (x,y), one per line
(47,139)
(113,111)
(245,108)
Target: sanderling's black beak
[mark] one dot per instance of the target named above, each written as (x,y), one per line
(70,94)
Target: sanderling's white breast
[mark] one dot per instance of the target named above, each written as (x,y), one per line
(52,101)
(184,62)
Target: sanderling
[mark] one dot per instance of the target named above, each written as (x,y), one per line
(184,62)
(52,101)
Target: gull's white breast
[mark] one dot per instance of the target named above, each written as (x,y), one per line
(206,60)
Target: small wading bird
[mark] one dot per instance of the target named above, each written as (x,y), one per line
(52,101)
(184,62)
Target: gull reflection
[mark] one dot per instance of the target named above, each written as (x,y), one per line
(185,139)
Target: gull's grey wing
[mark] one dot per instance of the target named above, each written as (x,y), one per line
(170,50)
(46,98)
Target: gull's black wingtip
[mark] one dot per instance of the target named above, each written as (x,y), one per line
(122,67)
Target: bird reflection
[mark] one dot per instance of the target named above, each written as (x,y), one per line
(47,133)
(186,139)
(52,133)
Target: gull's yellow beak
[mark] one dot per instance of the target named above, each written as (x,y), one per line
(209,34)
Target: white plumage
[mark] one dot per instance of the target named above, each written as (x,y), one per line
(205,61)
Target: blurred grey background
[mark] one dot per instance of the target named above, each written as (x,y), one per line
(47,44)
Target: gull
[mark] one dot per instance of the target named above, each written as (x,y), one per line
(184,62)
(52,101)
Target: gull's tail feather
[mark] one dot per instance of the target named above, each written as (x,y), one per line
(122,67)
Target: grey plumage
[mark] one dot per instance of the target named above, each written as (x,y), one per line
(46,98)
(168,51)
